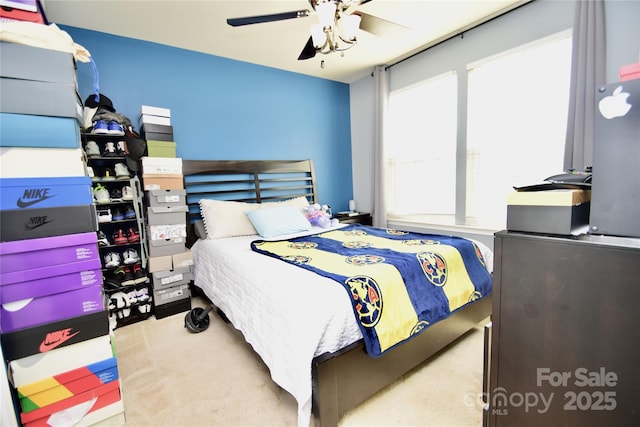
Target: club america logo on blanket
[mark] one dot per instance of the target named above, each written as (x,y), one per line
(368,300)
(479,254)
(364,259)
(434,267)
(419,242)
(356,244)
(396,232)
(303,245)
(355,233)
(297,259)
(419,327)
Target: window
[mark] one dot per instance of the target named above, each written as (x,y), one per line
(513,131)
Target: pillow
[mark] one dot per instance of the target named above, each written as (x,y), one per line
(300,202)
(278,220)
(224,218)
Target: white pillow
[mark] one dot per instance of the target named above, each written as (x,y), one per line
(278,220)
(224,218)
(299,202)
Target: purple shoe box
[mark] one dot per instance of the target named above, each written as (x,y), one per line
(50,308)
(21,255)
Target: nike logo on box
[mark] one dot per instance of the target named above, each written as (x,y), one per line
(36,221)
(32,196)
(56,339)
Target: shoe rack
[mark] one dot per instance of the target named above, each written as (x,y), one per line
(122,242)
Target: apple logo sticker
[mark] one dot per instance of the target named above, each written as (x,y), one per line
(615,105)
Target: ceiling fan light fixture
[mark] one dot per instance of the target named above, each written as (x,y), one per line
(318,35)
(326,13)
(350,27)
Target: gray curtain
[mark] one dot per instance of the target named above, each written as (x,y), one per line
(587,73)
(381,82)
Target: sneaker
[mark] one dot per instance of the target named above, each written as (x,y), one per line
(91,174)
(115,128)
(122,171)
(102,239)
(108,175)
(139,276)
(130,256)
(129,213)
(115,195)
(119,237)
(92,149)
(104,215)
(127,194)
(110,150)
(117,215)
(120,149)
(124,276)
(133,236)
(143,294)
(100,128)
(112,260)
(101,194)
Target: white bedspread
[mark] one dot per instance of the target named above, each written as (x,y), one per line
(252,290)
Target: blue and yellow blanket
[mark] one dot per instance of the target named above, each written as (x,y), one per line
(399,282)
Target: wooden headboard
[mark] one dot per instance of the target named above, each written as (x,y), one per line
(247,181)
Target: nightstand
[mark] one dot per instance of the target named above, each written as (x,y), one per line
(363,218)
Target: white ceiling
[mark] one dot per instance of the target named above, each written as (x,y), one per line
(200,25)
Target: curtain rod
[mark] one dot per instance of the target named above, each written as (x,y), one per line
(460,32)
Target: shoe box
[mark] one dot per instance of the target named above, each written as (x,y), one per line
(62,386)
(156,132)
(30,369)
(26,130)
(161,148)
(49,279)
(84,409)
(170,301)
(49,206)
(25,162)
(54,335)
(21,61)
(170,262)
(17,14)
(162,173)
(171,278)
(38,98)
(166,198)
(159,215)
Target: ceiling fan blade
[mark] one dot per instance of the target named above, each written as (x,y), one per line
(378,26)
(309,51)
(248,20)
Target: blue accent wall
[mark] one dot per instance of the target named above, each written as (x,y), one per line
(222,109)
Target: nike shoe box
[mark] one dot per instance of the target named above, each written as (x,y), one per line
(161,148)
(25,162)
(27,130)
(67,384)
(37,367)
(166,198)
(50,336)
(46,192)
(40,98)
(40,267)
(562,212)
(28,224)
(84,409)
(21,61)
(171,278)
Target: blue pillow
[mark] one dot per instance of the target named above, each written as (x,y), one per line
(278,220)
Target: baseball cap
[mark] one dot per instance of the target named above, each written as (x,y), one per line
(99,100)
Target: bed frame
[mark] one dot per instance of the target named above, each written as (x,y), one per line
(344,379)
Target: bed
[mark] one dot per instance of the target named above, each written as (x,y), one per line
(322,362)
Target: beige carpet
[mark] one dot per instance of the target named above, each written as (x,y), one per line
(171,377)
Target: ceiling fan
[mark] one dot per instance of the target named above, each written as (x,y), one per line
(339,21)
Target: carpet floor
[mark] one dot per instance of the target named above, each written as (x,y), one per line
(170,377)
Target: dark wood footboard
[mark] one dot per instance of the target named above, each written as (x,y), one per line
(338,381)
